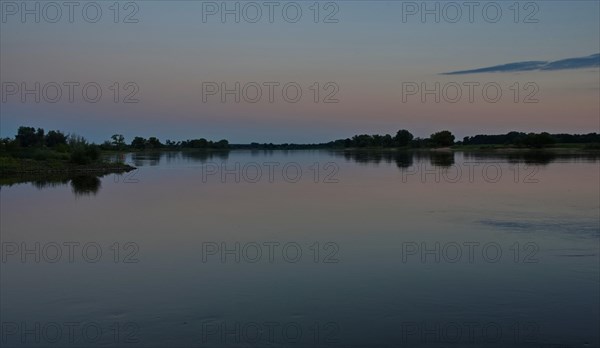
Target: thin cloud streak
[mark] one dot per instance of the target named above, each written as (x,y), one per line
(592,61)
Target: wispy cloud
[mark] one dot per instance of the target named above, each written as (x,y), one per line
(563,64)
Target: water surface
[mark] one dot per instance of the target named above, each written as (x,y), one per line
(297,248)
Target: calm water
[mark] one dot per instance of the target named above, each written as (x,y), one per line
(307,248)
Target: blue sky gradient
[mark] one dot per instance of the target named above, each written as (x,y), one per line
(373,50)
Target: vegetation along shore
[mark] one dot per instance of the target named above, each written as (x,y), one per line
(37,152)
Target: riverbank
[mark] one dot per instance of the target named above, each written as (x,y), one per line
(11,166)
(558,148)
(574,149)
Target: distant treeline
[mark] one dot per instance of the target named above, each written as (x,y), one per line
(118,142)
(32,142)
(405,139)
(531,139)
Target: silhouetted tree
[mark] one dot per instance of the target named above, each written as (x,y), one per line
(403,137)
(443,138)
(76,141)
(221,144)
(28,136)
(118,141)
(538,140)
(55,138)
(154,143)
(387,141)
(138,143)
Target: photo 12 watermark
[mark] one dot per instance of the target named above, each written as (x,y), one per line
(468,332)
(527,12)
(270,252)
(27,12)
(70,92)
(69,252)
(469,252)
(269,91)
(472,172)
(72,333)
(130,177)
(269,333)
(270,12)
(452,92)
(270,172)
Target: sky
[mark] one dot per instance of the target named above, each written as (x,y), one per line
(307,72)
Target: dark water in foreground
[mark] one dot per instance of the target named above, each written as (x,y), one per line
(307,248)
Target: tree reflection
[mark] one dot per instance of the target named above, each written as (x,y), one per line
(442,159)
(146,158)
(205,155)
(85,185)
(541,158)
(81,184)
(402,159)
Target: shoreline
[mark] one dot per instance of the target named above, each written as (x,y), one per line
(556,150)
(577,148)
(11,166)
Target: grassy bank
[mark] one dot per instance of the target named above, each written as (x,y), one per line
(557,148)
(10,166)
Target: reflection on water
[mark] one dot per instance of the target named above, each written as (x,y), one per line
(149,158)
(440,159)
(405,159)
(378,257)
(579,229)
(85,185)
(81,184)
(539,157)
(204,156)
(90,185)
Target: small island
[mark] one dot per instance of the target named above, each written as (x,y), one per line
(34,153)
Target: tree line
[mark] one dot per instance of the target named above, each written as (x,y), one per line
(36,143)
(520,139)
(117,142)
(404,138)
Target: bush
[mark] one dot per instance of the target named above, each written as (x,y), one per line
(85,154)
(62,148)
(93,152)
(41,155)
(443,138)
(78,156)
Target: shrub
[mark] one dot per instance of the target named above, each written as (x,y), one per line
(92,152)
(85,154)
(78,156)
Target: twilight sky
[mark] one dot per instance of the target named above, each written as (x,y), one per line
(376,61)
